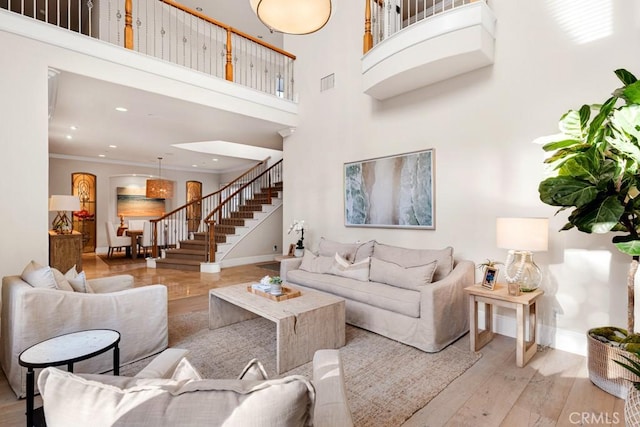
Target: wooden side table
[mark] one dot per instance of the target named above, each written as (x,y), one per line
(525,306)
(65,250)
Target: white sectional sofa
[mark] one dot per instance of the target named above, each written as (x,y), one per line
(415,296)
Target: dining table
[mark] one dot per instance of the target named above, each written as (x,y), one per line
(134,241)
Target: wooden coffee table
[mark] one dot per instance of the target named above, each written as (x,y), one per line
(304,324)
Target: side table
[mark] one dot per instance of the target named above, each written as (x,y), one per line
(525,306)
(66,349)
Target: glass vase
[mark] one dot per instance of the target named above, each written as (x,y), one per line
(521,270)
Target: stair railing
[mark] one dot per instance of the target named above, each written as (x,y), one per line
(173,227)
(235,201)
(384,18)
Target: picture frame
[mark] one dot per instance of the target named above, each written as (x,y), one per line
(391,192)
(292,248)
(490,277)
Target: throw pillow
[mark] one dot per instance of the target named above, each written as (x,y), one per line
(357,271)
(38,276)
(330,248)
(415,257)
(79,284)
(254,371)
(61,281)
(411,278)
(124,401)
(316,263)
(364,250)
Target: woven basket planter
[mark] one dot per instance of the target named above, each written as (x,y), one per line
(632,408)
(604,372)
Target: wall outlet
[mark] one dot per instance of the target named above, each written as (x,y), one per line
(275,248)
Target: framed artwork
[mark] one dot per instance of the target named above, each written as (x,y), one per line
(132,202)
(395,191)
(292,248)
(490,277)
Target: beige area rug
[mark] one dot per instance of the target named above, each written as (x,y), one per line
(386,381)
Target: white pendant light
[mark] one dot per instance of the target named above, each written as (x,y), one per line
(293,16)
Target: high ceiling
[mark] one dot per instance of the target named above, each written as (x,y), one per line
(153,123)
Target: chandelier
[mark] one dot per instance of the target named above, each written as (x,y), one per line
(159,188)
(293,16)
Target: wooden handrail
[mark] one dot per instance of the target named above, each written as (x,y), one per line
(227,27)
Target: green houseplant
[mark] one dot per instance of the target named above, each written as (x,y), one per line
(596,164)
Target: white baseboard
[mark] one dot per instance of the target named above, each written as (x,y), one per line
(234,262)
(560,339)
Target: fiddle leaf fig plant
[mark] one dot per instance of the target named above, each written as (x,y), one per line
(596,171)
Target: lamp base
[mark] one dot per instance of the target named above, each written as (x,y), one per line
(521,270)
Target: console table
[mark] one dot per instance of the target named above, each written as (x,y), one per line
(65,250)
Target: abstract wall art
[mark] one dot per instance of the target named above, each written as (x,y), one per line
(132,202)
(395,191)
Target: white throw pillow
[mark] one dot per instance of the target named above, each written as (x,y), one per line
(357,271)
(316,263)
(254,371)
(61,281)
(38,276)
(79,284)
(411,278)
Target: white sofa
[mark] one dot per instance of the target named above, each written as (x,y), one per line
(415,296)
(170,392)
(34,314)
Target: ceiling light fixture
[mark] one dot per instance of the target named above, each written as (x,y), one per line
(73,127)
(159,188)
(121,109)
(69,137)
(293,16)
(113,146)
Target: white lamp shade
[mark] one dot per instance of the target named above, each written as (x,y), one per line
(293,16)
(526,234)
(64,203)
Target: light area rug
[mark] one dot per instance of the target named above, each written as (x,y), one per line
(386,381)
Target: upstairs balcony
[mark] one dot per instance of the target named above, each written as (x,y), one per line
(172,32)
(409,44)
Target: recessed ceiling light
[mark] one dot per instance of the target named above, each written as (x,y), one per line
(121,109)
(102,155)
(215,160)
(69,137)
(195,166)
(73,127)
(113,146)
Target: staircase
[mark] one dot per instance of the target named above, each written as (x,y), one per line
(230,230)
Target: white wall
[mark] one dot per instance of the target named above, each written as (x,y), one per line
(481,126)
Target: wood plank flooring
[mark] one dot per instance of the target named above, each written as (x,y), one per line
(553,389)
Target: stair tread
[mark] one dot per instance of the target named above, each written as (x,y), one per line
(178,261)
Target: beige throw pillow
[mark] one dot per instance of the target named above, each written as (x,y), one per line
(316,263)
(79,284)
(416,257)
(358,271)
(61,281)
(412,278)
(39,276)
(330,248)
(254,371)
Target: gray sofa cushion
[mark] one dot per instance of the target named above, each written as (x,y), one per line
(398,300)
(403,277)
(415,257)
(352,252)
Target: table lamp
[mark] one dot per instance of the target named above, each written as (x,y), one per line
(63,203)
(522,236)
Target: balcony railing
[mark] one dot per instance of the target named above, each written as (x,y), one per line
(172,32)
(384,18)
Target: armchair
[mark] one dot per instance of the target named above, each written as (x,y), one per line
(30,315)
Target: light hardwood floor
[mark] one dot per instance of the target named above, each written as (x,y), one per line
(553,389)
